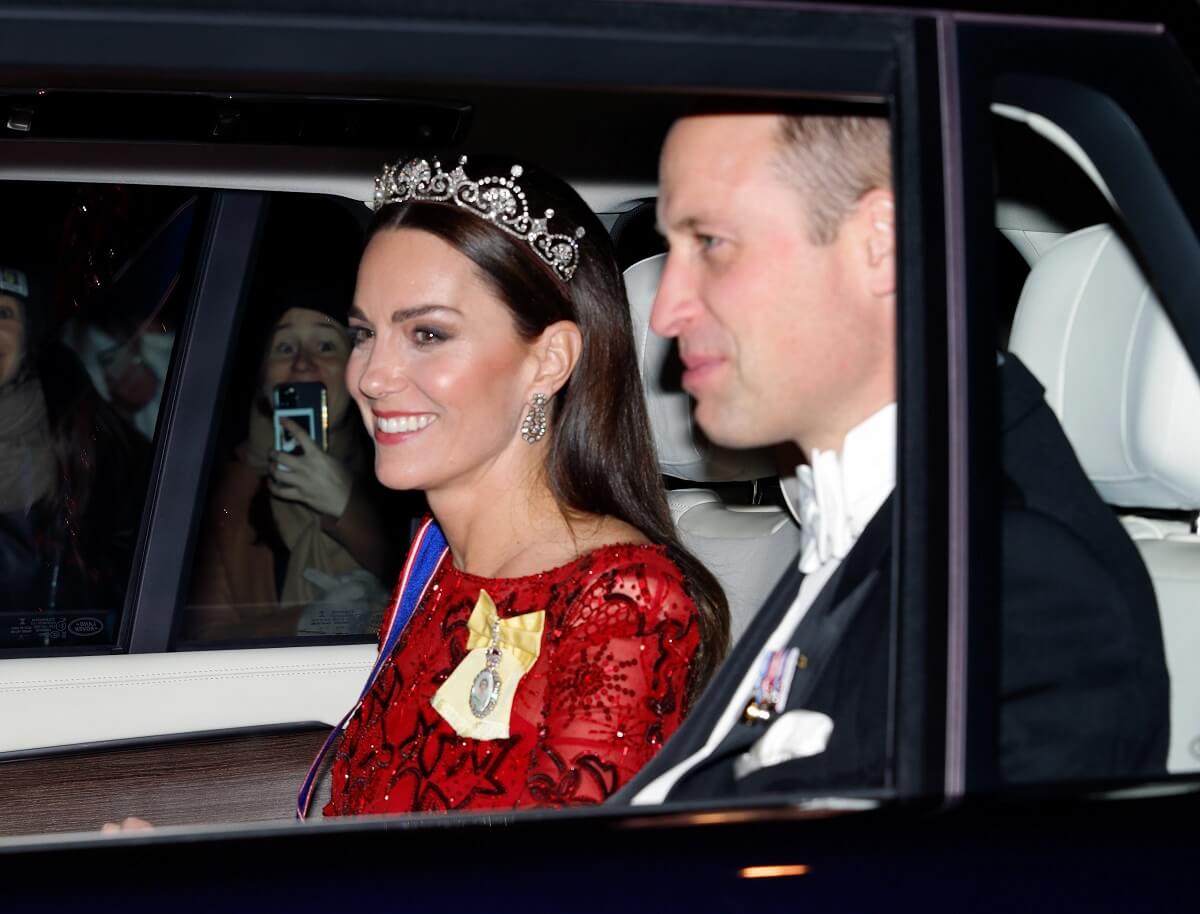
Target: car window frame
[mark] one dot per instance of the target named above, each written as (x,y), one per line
(781,53)
(189,421)
(882,58)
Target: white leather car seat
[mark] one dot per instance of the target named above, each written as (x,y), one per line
(747,547)
(1090,328)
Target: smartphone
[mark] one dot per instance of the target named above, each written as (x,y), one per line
(307,404)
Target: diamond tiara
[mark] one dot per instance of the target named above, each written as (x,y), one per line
(497,199)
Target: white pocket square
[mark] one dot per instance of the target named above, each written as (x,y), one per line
(794,734)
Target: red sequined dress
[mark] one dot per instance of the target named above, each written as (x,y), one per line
(606,690)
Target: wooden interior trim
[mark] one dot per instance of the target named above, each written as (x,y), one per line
(246,777)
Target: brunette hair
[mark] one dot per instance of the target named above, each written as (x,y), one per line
(601,458)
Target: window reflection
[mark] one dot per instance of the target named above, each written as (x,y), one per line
(92,282)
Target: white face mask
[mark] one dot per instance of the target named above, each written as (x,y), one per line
(130,374)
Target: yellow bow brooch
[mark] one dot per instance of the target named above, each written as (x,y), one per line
(477,698)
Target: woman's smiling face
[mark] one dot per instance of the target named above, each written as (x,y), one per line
(438,370)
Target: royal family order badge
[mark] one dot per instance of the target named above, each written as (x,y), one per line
(476,699)
(485,690)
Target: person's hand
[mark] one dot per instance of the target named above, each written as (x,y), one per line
(129,823)
(345,605)
(312,478)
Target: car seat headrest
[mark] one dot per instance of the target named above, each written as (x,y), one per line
(635,235)
(1091,329)
(683,451)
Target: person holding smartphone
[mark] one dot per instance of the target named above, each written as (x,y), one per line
(293,541)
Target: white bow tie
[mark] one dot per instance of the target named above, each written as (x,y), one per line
(827,529)
(837,494)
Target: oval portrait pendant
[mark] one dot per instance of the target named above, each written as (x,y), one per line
(485,689)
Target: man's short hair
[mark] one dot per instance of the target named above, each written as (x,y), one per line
(833,160)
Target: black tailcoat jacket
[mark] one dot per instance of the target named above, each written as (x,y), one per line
(1083,683)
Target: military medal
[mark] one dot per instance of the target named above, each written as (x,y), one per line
(485,690)
(774,683)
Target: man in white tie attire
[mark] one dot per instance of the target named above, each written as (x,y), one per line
(780,289)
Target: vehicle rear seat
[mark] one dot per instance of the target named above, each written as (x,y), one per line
(745,546)
(1090,328)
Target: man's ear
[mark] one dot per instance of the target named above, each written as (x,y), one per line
(877,214)
(557,352)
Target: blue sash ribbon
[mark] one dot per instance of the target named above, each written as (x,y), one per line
(424,558)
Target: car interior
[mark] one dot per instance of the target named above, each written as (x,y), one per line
(167,725)
(1090,327)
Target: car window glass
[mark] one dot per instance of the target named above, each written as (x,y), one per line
(94,280)
(1099,552)
(298,539)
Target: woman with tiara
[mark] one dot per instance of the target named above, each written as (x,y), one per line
(549,631)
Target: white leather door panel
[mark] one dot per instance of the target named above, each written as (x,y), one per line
(47,703)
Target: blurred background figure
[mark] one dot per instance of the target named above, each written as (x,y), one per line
(296,543)
(71,470)
(125,310)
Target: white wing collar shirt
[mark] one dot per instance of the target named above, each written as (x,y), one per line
(833,498)
(836,495)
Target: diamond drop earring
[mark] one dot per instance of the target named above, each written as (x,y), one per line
(533,426)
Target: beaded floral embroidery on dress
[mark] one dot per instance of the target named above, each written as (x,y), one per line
(606,691)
